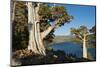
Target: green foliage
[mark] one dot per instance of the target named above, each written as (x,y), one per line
(79,32)
(92,37)
(20,27)
(57,13)
(20,24)
(44,11)
(61,14)
(93,30)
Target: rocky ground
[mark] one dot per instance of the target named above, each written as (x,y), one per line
(25,57)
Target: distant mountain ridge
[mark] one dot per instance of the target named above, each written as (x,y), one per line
(58,39)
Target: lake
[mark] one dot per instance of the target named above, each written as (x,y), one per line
(72,48)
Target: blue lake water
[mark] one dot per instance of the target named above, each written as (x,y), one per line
(72,48)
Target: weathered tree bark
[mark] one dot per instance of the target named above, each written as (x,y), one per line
(84,47)
(31,26)
(35,41)
(46,32)
(40,40)
(49,29)
(13,10)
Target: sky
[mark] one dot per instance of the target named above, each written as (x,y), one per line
(83,15)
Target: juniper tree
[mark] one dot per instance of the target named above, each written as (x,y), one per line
(38,21)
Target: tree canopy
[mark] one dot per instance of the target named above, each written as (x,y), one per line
(79,32)
(57,14)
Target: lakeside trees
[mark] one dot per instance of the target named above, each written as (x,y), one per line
(33,26)
(81,33)
(35,16)
(29,20)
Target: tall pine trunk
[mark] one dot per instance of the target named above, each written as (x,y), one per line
(35,40)
(84,47)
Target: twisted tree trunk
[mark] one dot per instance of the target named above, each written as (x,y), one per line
(35,40)
(31,26)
